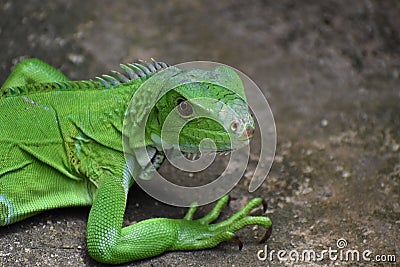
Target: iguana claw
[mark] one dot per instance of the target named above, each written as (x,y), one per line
(265,205)
(237,241)
(267,235)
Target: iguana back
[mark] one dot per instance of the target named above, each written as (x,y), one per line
(51,135)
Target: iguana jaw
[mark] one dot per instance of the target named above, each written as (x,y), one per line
(225,131)
(191,148)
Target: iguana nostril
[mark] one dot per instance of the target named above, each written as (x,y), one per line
(249,131)
(246,133)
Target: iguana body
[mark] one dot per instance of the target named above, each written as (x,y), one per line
(61,145)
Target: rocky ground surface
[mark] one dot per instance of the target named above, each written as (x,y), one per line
(330,71)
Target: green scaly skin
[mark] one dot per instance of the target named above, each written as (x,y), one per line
(60,146)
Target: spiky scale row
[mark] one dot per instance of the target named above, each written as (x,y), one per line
(132,71)
(45,87)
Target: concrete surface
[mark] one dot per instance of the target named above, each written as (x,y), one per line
(330,71)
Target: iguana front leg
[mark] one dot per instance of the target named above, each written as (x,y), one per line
(108,242)
(33,70)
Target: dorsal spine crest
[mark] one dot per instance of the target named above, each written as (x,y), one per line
(132,71)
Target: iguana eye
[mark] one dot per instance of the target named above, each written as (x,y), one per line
(184,108)
(235,126)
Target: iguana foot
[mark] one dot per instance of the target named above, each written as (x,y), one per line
(200,233)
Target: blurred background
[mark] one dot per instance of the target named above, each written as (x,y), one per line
(330,71)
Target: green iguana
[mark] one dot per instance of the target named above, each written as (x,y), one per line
(61,146)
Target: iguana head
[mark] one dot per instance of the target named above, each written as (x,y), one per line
(202,105)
